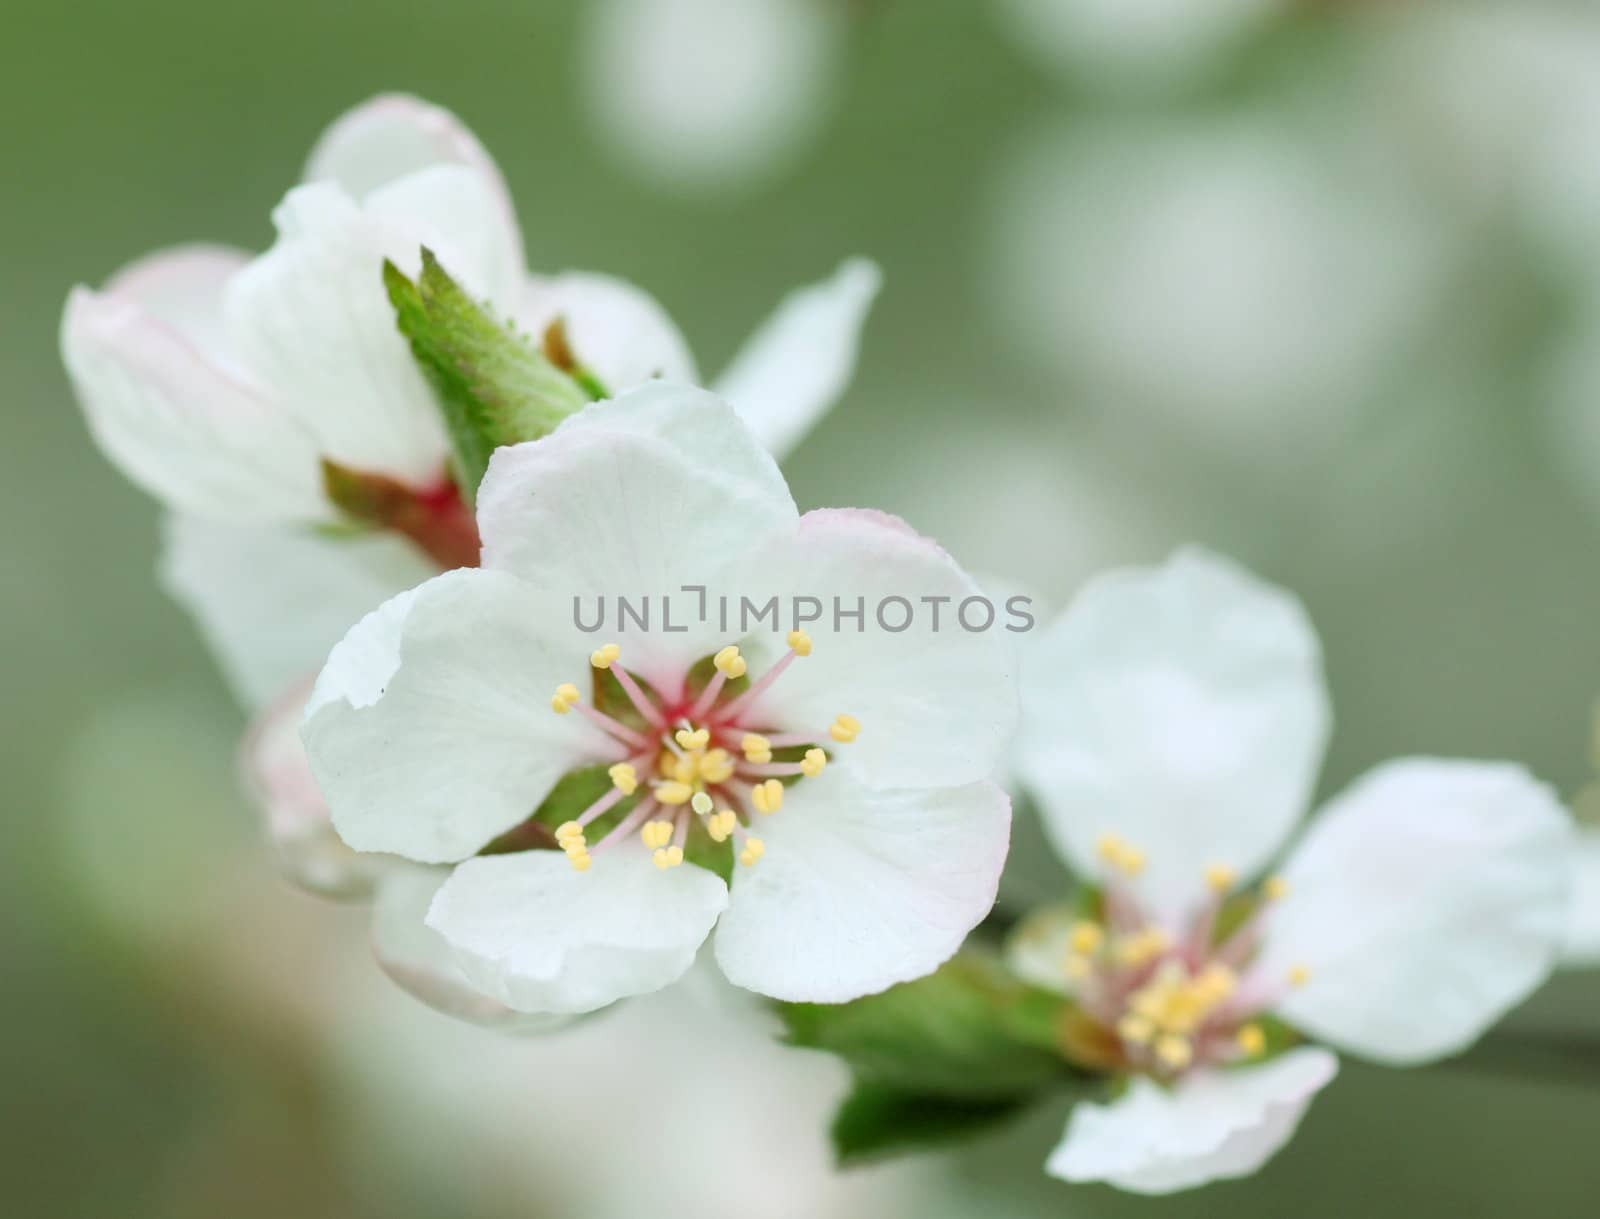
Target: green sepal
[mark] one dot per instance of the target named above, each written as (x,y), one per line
(875,1122)
(970,1031)
(494,387)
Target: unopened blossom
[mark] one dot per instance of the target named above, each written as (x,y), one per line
(219,381)
(1174,723)
(841,772)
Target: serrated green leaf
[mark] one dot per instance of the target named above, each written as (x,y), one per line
(876,1123)
(494,387)
(969,1031)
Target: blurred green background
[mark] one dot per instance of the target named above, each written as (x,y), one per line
(1324,297)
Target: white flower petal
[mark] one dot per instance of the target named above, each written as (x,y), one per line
(273,765)
(638,497)
(539,936)
(860,889)
(1181,708)
(793,369)
(311,321)
(1583,926)
(394,135)
(617,331)
(1426,901)
(272,600)
(430,729)
(420,960)
(937,705)
(166,405)
(1213,1125)
(1038,947)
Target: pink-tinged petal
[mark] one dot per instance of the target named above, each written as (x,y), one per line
(937,701)
(271,601)
(1429,899)
(421,962)
(860,889)
(430,730)
(617,331)
(1210,1126)
(538,936)
(794,368)
(164,406)
(1181,708)
(394,135)
(272,762)
(311,321)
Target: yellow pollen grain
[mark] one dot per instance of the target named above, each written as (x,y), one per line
(1087,937)
(1251,1040)
(606,656)
(756,747)
(698,738)
(1220,878)
(1135,1029)
(800,642)
(768,796)
(624,778)
(811,765)
(729,663)
(701,803)
(673,792)
(716,766)
(656,833)
(844,728)
(1174,1052)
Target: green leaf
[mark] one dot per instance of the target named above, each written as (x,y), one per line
(968,1031)
(494,387)
(875,1122)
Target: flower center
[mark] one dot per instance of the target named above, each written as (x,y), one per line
(1170,998)
(704,759)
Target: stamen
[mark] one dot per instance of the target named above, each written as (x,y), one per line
(565,698)
(754,849)
(1299,975)
(844,728)
(603,657)
(1275,888)
(716,766)
(1251,1040)
(767,797)
(673,792)
(651,713)
(608,725)
(624,777)
(756,748)
(800,642)
(1220,878)
(1136,1029)
(764,683)
(721,825)
(656,834)
(1174,1052)
(1087,938)
(692,740)
(1124,858)
(811,765)
(667,857)
(624,828)
(729,663)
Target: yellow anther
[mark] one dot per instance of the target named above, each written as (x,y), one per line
(800,642)
(1137,1030)
(701,803)
(1220,878)
(1174,1052)
(605,657)
(1299,975)
(1275,889)
(565,698)
(624,778)
(674,792)
(844,728)
(681,769)
(1143,947)
(580,861)
(691,740)
(768,796)
(656,833)
(754,849)
(1120,855)
(1087,938)
(1251,1040)
(1215,983)
(756,747)
(811,765)
(729,663)
(716,766)
(721,825)
(569,829)
(667,857)
(1078,967)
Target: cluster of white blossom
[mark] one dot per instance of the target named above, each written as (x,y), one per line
(552,820)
